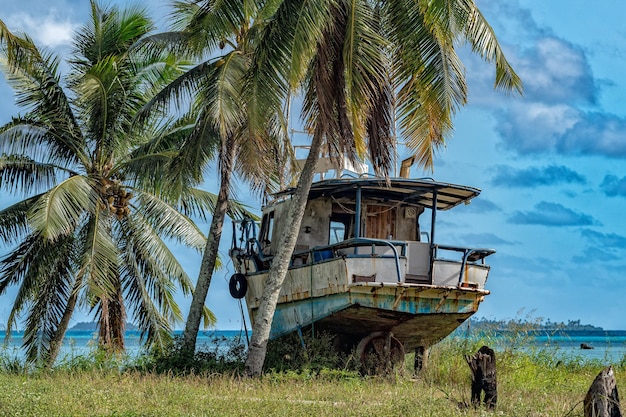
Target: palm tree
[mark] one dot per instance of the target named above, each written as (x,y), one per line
(364,65)
(99,207)
(224,32)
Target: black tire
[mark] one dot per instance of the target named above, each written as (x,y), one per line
(238,286)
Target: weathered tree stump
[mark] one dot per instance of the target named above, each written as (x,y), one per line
(602,399)
(483,366)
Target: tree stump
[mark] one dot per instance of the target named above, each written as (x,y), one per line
(421,358)
(483,366)
(602,399)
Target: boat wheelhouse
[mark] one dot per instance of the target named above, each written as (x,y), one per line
(363,269)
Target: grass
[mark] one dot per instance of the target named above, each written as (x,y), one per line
(530,383)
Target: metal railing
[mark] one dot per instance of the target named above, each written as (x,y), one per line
(323,253)
(471,255)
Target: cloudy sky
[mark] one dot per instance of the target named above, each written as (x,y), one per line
(551,164)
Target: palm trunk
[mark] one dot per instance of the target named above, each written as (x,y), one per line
(112,323)
(59,335)
(280,263)
(209,258)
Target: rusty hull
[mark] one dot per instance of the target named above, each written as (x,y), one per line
(323,296)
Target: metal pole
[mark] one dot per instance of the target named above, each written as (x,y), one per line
(432,236)
(433,218)
(357,214)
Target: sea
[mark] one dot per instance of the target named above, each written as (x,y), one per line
(83,342)
(605,346)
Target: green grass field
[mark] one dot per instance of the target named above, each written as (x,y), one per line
(530,383)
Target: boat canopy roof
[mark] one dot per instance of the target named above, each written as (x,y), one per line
(411,191)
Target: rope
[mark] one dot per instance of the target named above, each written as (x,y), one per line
(243,320)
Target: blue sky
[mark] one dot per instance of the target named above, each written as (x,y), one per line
(551,164)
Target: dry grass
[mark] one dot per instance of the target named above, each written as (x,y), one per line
(529,384)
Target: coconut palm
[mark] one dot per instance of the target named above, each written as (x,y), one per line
(222,35)
(365,65)
(99,206)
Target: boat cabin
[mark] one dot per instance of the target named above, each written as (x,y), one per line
(375,218)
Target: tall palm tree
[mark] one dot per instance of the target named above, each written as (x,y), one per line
(364,65)
(93,226)
(222,35)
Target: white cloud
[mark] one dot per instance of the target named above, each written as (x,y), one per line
(562,60)
(535,127)
(51,30)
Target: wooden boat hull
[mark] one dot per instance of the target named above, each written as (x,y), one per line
(324,296)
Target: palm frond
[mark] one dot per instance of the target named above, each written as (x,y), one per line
(44,271)
(149,273)
(14,220)
(35,79)
(97,257)
(59,210)
(215,23)
(380,121)
(221,91)
(167,221)
(109,32)
(18,173)
(197,202)
(283,53)
(49,302)
(15,266)
(176,92)
(208,318)
(37,140)
(150,253)
(481,36)
(262,157)
(428,73)
(188,166)
(365,68)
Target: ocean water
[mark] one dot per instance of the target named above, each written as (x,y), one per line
(609,346)
(82,342)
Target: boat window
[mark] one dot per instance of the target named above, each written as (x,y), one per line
(337,232)
(267,229)
(341,227)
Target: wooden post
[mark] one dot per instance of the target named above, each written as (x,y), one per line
(602,399)
(483,366)
(421,358)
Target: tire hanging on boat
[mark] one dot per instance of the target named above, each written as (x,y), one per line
(238,285)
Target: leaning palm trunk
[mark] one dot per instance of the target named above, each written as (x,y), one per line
(59,335)
(280,264)
(209,258)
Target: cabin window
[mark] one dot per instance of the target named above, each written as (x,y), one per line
(341,227)
(337,232)
(267,230)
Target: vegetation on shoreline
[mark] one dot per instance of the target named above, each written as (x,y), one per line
(483,323)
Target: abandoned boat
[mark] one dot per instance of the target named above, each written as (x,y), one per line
(363,268)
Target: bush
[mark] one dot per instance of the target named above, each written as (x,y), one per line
(221,355)
(306,351)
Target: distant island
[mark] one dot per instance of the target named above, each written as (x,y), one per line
(538,324)
(92,326)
